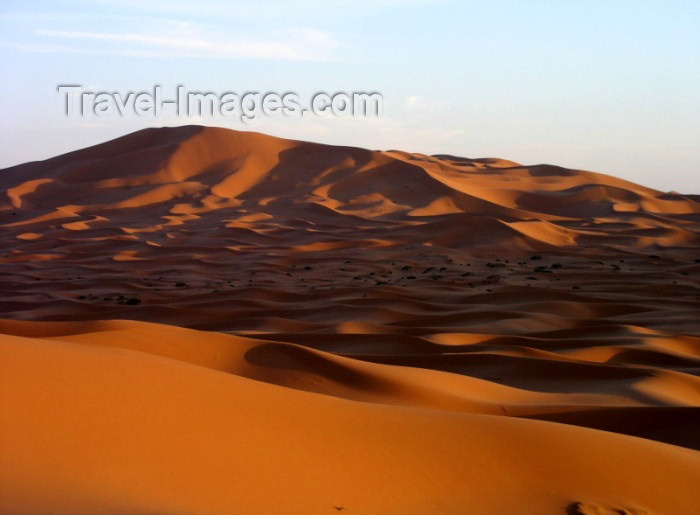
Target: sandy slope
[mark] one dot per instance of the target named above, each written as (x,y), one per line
(385,332)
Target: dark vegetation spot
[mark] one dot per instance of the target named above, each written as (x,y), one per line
(180,285)
(535,257)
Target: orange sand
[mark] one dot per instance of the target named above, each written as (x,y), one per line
(198,320)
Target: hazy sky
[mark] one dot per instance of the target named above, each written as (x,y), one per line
(611,86)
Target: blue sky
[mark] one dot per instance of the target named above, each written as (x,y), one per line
(610,86)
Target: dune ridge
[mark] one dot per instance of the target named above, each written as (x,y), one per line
(199,320)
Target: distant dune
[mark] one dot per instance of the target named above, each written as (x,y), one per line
(199,320)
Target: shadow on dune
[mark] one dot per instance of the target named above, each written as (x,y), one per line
(139,152)
(676,425)
(299,359)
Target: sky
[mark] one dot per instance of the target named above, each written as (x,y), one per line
(610,86)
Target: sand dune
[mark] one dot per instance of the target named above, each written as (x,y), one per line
(198,320)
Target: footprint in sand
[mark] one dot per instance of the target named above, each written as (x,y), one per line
(591,508)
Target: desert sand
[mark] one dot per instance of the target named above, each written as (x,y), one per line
(200,320)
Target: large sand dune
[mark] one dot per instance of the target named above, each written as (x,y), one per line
(199,320)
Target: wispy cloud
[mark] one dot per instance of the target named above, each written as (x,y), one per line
(281,9)
(289,44)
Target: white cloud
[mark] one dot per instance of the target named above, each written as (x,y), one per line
(410,101)
(289,44)
(416,104)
